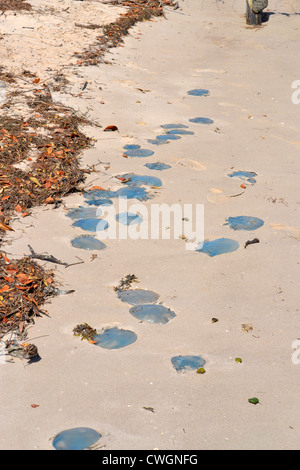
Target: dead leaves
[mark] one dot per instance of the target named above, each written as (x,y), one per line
(110,129)
(24,286)
(5,227)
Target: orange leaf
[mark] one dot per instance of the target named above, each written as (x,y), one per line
(18,208)
(96,187)
(34,405)
(92,341)
(49,200)
(4,288)
(5,227)
(36,80)
(110,128)
(23,278)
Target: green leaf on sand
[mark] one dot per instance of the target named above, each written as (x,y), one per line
(253,400)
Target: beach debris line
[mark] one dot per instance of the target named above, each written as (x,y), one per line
(24,287)
(6,5)
(52,134)
(114,33)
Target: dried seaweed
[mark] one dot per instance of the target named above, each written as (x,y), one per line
(24,286)
(6,5)
(38,168)
(113,33)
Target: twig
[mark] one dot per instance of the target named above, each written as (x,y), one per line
(49,258)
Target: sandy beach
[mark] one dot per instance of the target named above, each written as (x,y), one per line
(242,304)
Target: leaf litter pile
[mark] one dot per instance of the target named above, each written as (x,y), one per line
(14,5)
(39,164)
(52,172)
(113,33)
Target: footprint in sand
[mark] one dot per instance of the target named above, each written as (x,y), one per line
(293,232)
(192,164)
(216,195)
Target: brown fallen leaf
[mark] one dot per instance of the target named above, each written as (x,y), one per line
(5,227)
(110,128)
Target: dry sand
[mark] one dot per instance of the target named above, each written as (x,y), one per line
(249,73)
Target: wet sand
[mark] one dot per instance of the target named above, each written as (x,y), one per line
(133,396)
